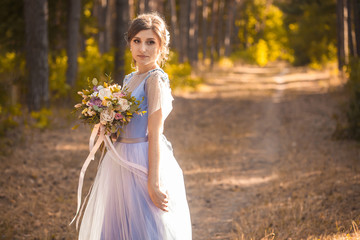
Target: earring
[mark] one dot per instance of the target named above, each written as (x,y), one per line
(133,65)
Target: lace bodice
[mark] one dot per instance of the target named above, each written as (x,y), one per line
(152,86)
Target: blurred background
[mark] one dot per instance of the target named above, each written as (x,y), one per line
(49,48)
(267,92)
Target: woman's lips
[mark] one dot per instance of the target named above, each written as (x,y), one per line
(142,56)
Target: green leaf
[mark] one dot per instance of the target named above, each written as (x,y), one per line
(95,82)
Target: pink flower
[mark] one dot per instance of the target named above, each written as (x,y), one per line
(118,95)
(118,116)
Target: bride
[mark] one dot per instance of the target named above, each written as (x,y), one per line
(139,192)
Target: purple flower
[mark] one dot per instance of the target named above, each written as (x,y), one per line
(96,101)
(95,88)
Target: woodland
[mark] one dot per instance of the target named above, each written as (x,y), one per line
(265,122)
(49,48)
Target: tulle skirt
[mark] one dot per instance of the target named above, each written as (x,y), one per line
(119,206)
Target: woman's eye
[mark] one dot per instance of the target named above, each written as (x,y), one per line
(136,41)
(151,42)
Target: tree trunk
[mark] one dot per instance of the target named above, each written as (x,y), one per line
(204,28)
(220,35)
(131,9)
(109,25)
(235,40)
(122,18)
(193,25)
(346,31)
(143,6)
(36,47)
(184,30)
(156,5)
(351,35)
(340,34)
(100,12)
(174,26)
(147,6)
(140,6)
(196,33)
(72,41)
(356,5)
(214,13)
(230,26)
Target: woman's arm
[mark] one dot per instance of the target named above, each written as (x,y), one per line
(159,198)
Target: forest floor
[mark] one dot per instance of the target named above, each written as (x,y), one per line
(257,152)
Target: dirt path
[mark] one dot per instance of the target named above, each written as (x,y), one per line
(267,159)
(256,150)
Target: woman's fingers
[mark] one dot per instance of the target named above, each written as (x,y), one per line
(164,207)
(163,202)
(159,198)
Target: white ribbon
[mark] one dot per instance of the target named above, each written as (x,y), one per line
(90,157)
(133,167)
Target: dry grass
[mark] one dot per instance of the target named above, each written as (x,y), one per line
(254,168)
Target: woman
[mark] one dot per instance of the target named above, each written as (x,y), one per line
(142,197)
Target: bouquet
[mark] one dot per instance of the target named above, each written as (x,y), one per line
(107,104)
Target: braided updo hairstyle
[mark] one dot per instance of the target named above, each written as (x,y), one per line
(156,23)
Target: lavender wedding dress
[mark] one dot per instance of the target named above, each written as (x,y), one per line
(119,206)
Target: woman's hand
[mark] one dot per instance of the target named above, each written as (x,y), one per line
(158,197)
(113,137)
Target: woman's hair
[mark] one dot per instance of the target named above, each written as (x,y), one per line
(156,23)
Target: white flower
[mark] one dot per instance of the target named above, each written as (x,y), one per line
(109,103)
(99,87)
(104,92)
(115,87)
(124,104)
(94,94)
(106,116)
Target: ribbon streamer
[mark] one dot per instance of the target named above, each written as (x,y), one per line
(90,157)
(141,171)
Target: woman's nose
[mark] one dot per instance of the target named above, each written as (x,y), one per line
(143,47)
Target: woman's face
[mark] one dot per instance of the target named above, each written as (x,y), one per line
(145,48)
